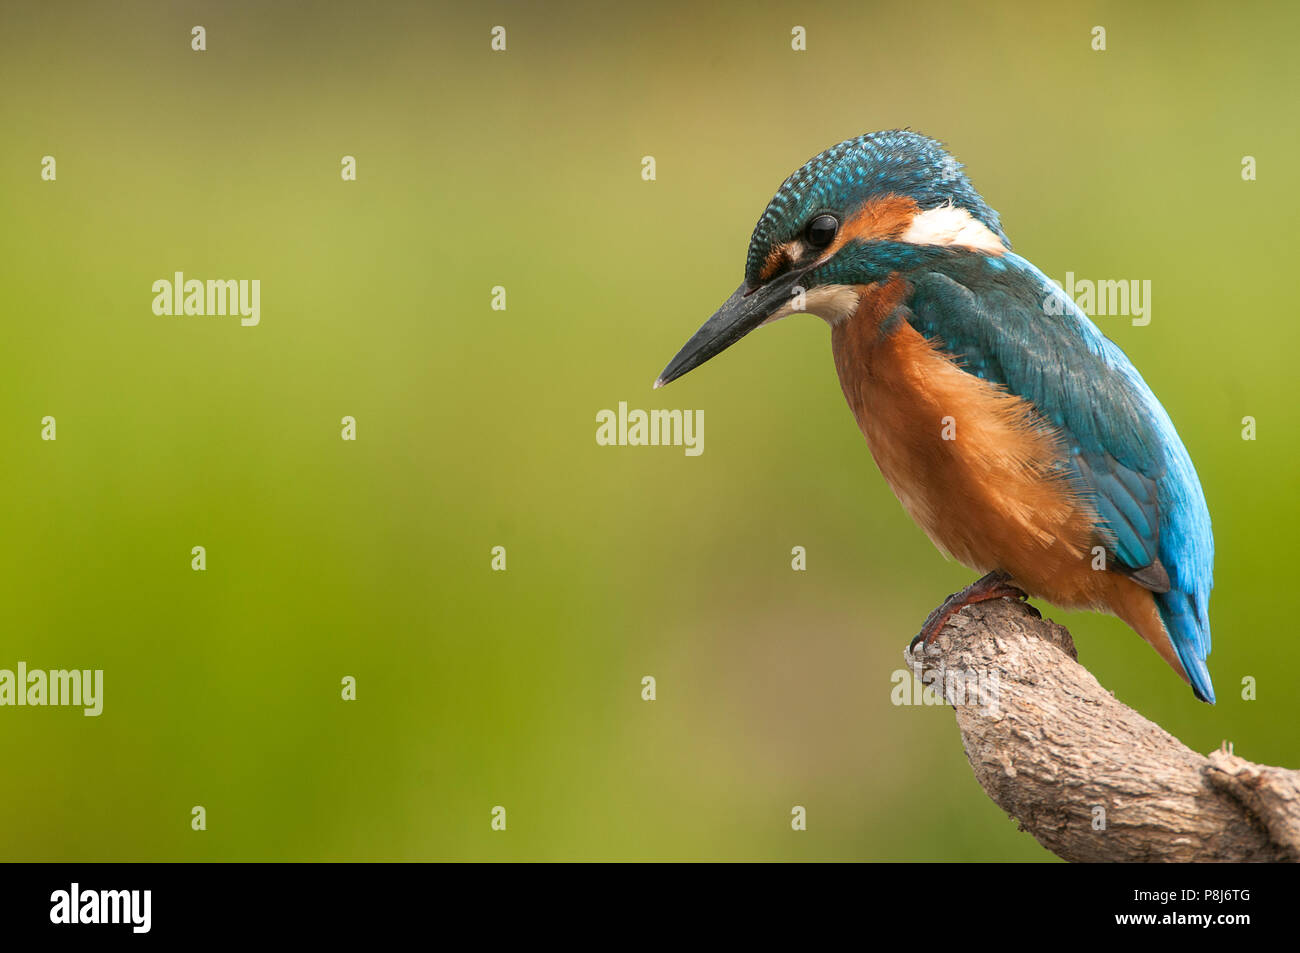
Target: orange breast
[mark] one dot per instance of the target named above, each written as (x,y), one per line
(975,466)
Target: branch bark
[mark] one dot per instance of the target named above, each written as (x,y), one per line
(1087,776)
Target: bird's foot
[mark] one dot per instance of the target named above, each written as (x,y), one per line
(996,585)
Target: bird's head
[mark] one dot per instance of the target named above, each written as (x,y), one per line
(848,217)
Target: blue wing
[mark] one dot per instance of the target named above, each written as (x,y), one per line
(1007,323)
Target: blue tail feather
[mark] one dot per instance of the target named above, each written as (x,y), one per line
(1189,630)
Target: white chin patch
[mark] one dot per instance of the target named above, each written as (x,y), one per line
(831,303)
(948,225)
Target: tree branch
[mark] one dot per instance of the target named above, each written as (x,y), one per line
(1087,776)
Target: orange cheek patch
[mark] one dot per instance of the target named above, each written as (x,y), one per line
(883,218)
(776,258)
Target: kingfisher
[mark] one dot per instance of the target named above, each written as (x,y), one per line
(1023,441)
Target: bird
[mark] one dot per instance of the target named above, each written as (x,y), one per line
(1020,439)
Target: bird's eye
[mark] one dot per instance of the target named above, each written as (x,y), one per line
(821,230)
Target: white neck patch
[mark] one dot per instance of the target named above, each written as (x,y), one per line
(949,225)
(831,303)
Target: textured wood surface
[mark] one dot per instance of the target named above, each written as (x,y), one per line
(1087,776)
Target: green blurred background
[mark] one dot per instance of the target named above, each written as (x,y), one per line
(476,427)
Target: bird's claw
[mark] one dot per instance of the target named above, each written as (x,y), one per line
(996,585)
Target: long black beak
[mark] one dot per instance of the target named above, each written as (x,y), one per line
(745,310)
